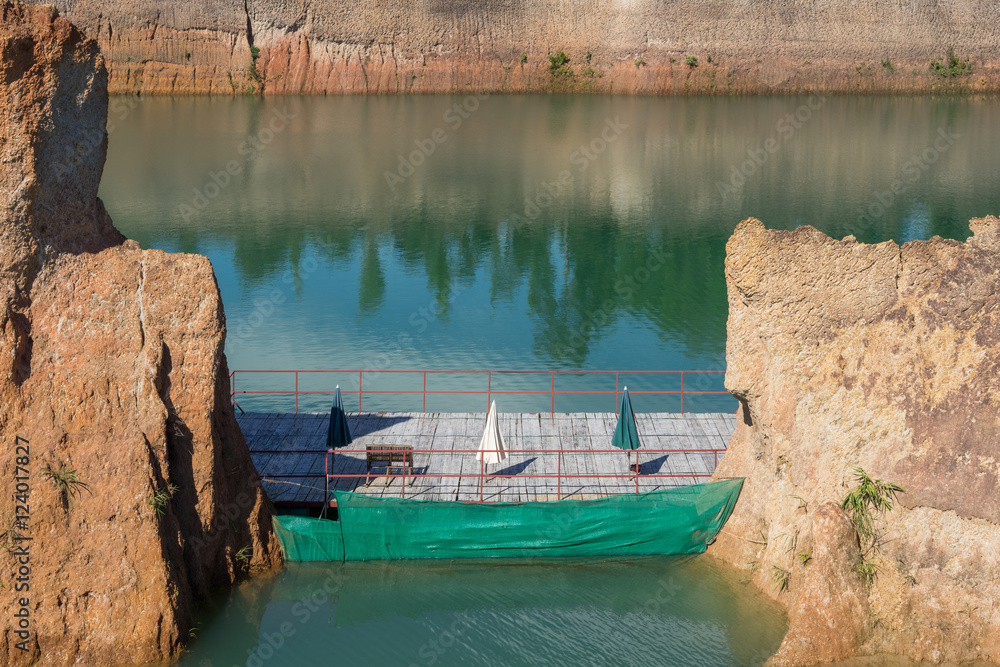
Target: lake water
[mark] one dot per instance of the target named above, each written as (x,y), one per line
(533,232)
(658,611)
(519,232)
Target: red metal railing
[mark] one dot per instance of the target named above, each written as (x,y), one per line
(489,392)
(482,475)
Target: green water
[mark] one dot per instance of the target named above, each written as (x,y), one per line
(543,232)
(550,232)
(647,612)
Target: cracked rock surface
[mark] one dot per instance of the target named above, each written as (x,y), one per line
(464,46)
(112,367)
(885,357)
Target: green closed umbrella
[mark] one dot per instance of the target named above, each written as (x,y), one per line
(626,435)
(339,432)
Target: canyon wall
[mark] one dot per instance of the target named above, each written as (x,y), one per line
(613,46)
(885,357)
(129,493)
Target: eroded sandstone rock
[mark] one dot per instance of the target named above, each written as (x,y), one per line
(886,357)
(464,46)
(112,366)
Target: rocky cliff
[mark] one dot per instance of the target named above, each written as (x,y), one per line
(128,489)
(613,46)
(884,357)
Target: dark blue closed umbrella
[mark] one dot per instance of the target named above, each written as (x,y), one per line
(339,432)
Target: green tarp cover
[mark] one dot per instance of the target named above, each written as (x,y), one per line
(684,520)
(306,539)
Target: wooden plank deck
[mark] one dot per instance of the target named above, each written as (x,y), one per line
(288,451)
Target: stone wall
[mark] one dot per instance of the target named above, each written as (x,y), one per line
(614,46)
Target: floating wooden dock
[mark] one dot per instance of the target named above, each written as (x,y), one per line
(570,457)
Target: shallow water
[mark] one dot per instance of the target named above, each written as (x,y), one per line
(658,611)
(552,232)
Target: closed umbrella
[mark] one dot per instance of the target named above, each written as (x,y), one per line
(626,435)
(339,432)
(492,448)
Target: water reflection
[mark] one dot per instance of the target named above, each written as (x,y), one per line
(531,235)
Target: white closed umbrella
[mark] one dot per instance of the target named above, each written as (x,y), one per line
(492,448)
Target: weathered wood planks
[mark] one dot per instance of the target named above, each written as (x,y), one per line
(289,449)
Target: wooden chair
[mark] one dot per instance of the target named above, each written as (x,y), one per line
(391,456)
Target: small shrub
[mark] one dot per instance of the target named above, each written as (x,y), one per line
(639,62)
(254,54)
(66,481)
(524,57)
(691,61)
(592,73)
(244,555)
(187,55)
(952,67)
(870,498)
(709,58)
(804,557)
(886,63)
(559,65)
(781,577)
(587,56)
(161,498)
(673,60)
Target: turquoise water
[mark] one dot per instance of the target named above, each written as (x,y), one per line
(543,232)
(532,232)
(657,611)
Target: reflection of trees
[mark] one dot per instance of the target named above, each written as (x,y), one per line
(318,192)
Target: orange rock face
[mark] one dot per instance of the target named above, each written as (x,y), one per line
(132,494)
(885,357)
(614,46)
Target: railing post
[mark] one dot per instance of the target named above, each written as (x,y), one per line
(637,472)
(559,473)
(482,470)
(359,390)
(233,395)
(489,389)
(616,392)
(423,406)
(296,392)
(682,392)
(326,479)
(553,394)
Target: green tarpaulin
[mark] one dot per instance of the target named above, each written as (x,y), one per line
(684,520)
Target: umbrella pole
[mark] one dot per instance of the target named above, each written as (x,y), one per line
(482,470)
